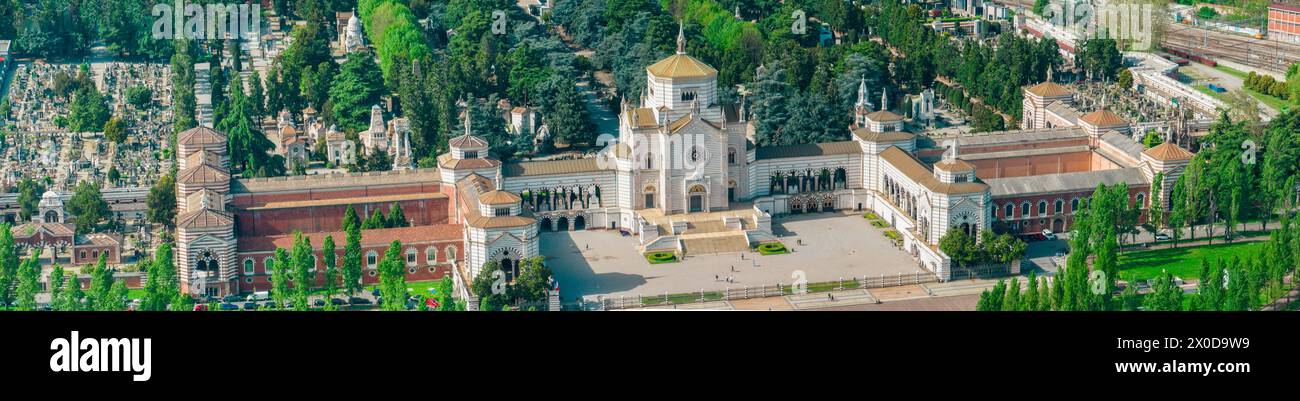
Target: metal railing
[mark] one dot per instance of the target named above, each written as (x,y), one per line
(761,291)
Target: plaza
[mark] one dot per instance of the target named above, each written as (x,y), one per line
(834,246)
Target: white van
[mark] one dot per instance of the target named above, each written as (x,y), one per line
(259,296)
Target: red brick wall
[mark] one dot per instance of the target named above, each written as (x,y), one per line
(330,218)
(1034,165)
(1038,223)
(261,278)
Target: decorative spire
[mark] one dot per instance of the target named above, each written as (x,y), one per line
(681,38)
(1049,73)
(884,99)
(467,118)
(862,92)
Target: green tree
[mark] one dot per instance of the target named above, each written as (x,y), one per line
(29,273)
(161,202)
(280,277)
(163,285)
(101,285)
(58,285)
(358,86)
(303,262)
(350,219)
(352,258)
(88,111)
(72,297)
(396,218)
(1011,301)
(115,130)
(29,196)
(490,287)
(331,270)
(1165,295)
(376,220)
(88,206)
(392,278)
(8,264)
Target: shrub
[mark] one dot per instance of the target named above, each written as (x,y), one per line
(771,248)
(660,257)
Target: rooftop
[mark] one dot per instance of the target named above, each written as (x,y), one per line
(806,150)
(1065,182)
(549,167)
(1168,151)
(369,238)
(918,173)
(681,66)
(335,181)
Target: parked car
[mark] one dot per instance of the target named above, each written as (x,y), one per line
(318,303)
(259,296)
(359,301)
(200,307)
(250,305)
(270,305)
(338,302)
(1162,237)
(1048,235)
(231,299)
(226,306)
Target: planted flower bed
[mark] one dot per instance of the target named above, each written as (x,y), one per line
(660,257)
(771,248)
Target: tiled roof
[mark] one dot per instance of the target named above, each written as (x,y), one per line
(681,66)
(200,135)
(1103,118)
(468,141)
(954,165)
(204,218)
(100,239)
(1049,89)
(917,172)
(806,150)
(498,197)
(448,162)
(1064,183)
(27,230)
(891,136)
(359,200)
(369,238)
(549,167)
(1168,151)
(470,189)
(643,118)
(202,174)
(335,180)
(884,116)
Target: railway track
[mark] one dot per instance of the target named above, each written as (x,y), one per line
(1258,53)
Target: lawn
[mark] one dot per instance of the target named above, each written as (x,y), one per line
(1182,262)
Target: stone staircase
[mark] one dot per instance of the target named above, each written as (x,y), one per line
(712,243)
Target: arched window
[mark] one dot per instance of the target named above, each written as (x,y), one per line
(1008,211)
(649,160)
(372,259)
(1059,206)
(1074,205)
(1024,209)
(1042,207)
(451,253)
(410,256)
(248,267)
(731,156)
(268,265)
(1141,200)
(430,255)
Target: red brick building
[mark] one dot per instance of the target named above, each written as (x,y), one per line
(1284,23)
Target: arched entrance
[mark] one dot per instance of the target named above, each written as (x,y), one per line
(509,267)
(579,223)
(562,224)
(828,204)
(545,224)
(52,217)
(1058,225)
(696,199)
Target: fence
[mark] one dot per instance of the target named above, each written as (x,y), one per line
(991,270)
(762,291)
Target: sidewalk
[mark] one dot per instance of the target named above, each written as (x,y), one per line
(846,298)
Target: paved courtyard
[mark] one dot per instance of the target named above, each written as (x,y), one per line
(834,246)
